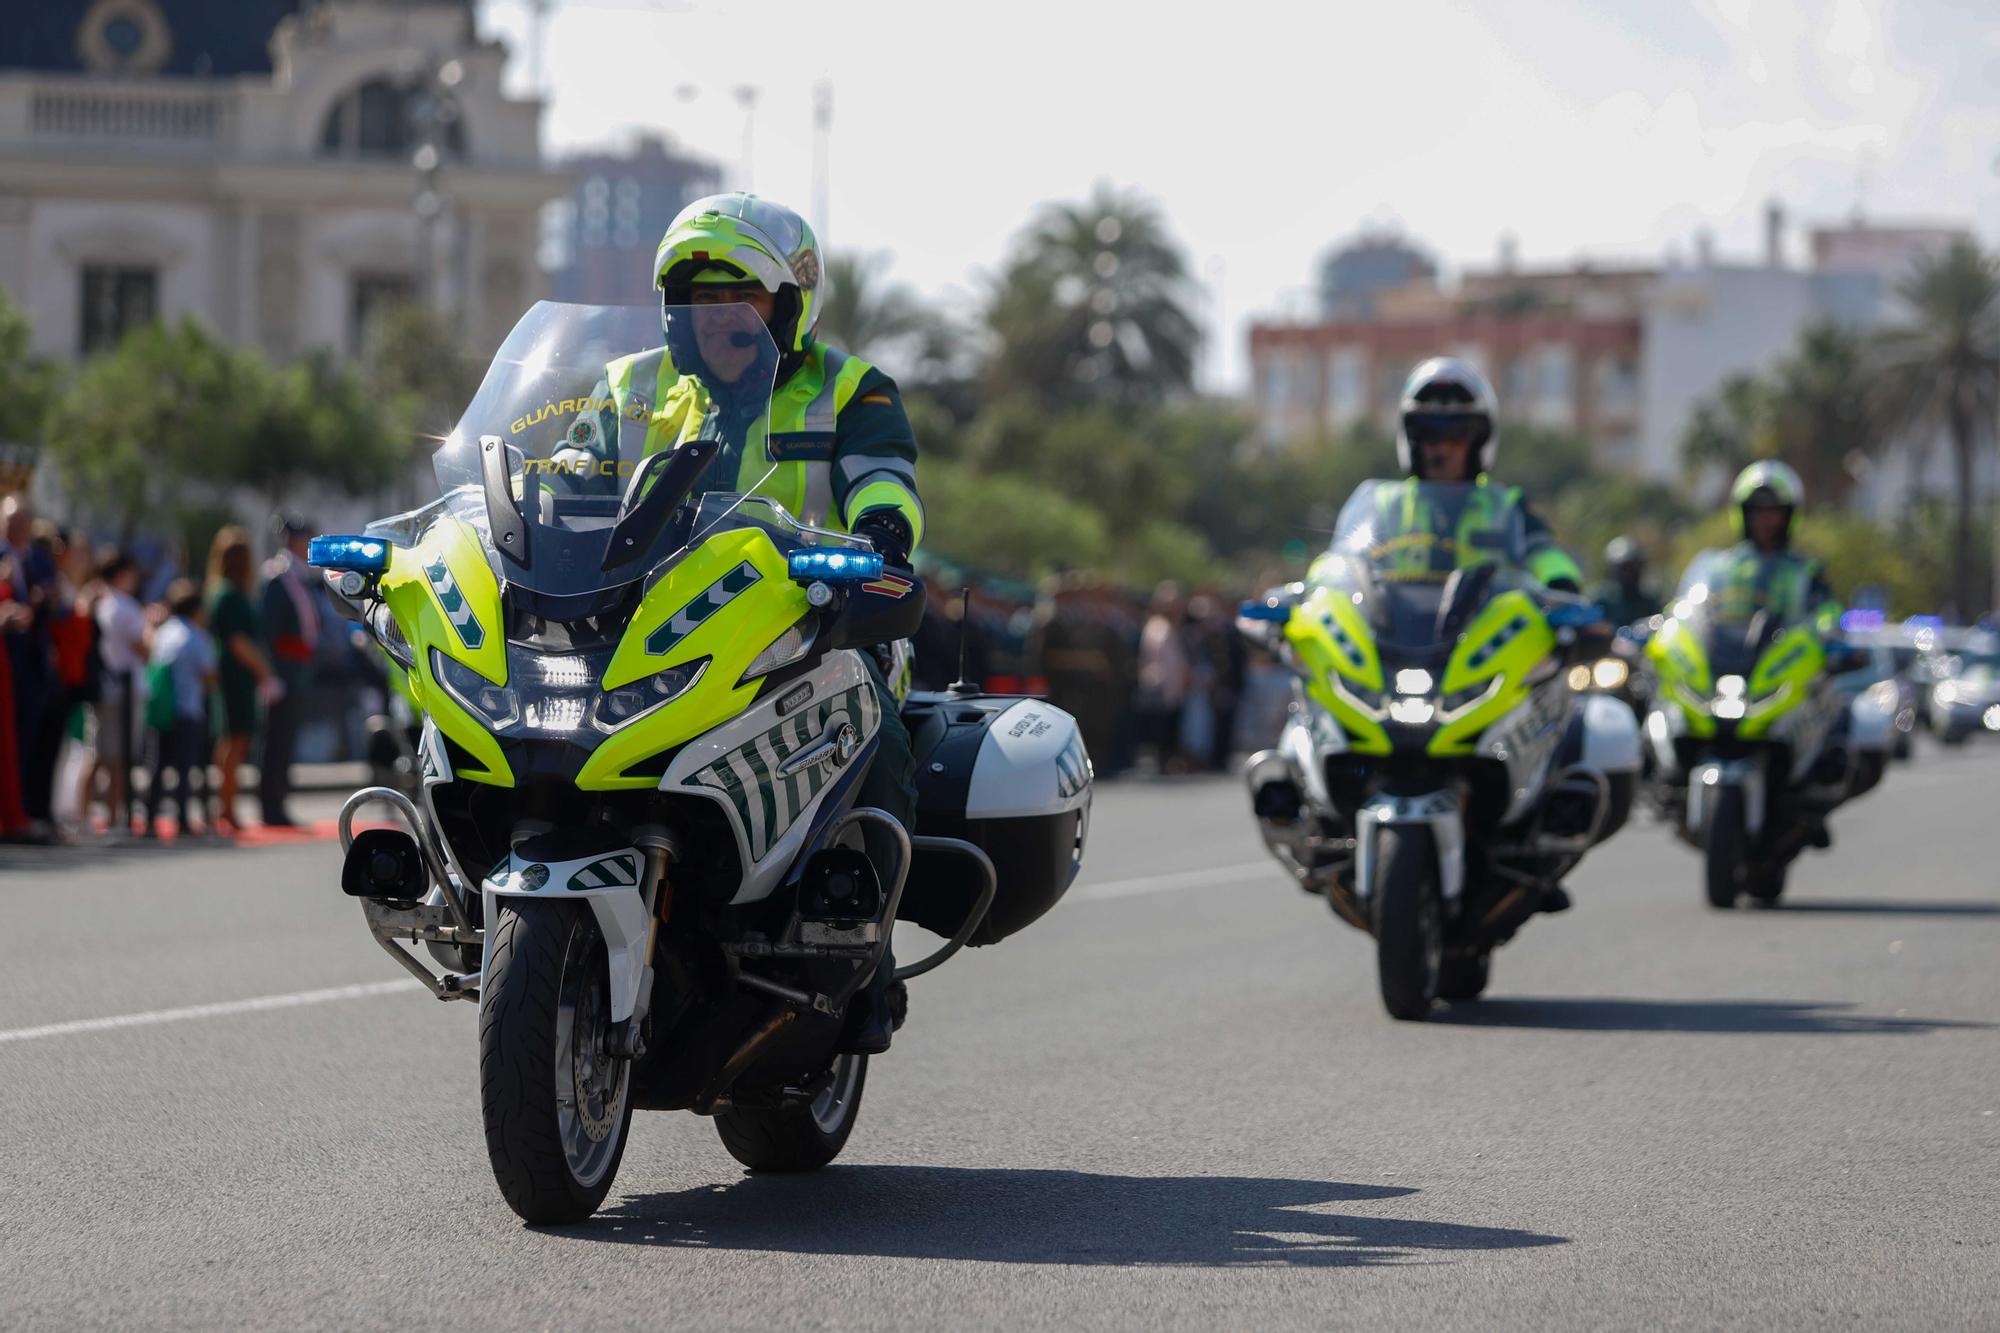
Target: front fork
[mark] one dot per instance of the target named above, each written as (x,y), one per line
(1705,783)
(1439,811)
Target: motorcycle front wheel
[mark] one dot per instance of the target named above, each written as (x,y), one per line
(1409,922)
(556,1103)
(1726,846)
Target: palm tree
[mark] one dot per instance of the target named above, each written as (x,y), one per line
(1096,304)
(863,312)
(1823,415)
(1729,431)
(1943,370)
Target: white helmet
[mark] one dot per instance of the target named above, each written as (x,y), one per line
(1445,390)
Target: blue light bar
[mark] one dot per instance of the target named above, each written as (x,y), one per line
(1924,622)
(1860,620)
(1276,615)
(370,555)
(834,564)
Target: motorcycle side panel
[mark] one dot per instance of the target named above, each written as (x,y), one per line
(609,883)
(1525,741)
(742,765)
(1610,735)
(1869,724)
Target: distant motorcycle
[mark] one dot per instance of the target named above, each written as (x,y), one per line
(1440,771)
(1753,742)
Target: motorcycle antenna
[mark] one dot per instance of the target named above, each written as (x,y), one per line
(962,685)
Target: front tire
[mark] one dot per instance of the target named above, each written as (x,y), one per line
(557,1107)
(1409,922)
(1726,842)
(798,1138)
(1465,977)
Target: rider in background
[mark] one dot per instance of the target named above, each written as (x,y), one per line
(1625,595)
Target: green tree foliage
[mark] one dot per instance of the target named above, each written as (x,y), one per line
(1816,409)
(313,422)
(168,422)
(1094,305)
(862,311)
(420,374)
(1943,371)
(134,429)
(26,384)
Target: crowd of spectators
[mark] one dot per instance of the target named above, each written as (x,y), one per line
(127,686)
(135,688)
(1159,685)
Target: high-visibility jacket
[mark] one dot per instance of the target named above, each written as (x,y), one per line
(1415,538)
(1789,585)
(837,443)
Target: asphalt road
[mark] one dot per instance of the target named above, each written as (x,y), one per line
(1175,1103)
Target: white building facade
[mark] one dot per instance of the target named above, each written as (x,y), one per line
(279,201)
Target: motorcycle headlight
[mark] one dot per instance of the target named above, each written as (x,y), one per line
(382,624)
(495,705)
(1609,673)
(629,703)
(786,649)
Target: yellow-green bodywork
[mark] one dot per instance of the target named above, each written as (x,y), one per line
(1485,677)
(444,596)
(1781,680)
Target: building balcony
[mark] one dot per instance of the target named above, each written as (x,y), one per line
(52,115)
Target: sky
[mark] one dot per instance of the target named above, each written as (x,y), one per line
(1268,131)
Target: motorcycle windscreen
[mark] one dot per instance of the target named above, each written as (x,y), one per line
(1403,547)
(1737,605)
(584,414)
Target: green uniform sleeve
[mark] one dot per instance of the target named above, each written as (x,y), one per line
(1552,566)
(875,455)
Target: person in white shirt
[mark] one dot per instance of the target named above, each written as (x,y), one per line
(122,635)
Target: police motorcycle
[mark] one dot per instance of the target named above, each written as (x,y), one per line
(645,715)
(1753,742)
(1444,764)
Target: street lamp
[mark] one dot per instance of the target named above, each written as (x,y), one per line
(433,112)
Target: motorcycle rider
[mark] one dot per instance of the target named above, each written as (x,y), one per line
(837,450)
(1625,595)
(1762,502)
(1446,432)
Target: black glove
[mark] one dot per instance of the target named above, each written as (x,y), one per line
(889,531)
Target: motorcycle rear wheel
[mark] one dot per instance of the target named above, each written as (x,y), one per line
(1726,845)
(1409,922)
(557,1107)
(798,1138)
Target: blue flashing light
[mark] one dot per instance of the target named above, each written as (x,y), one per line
(1575,617)
(370,555)
(1860,620)
(1277,615)
(1924,622)
(834,564)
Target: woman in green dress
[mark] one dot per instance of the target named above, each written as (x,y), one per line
(245,674)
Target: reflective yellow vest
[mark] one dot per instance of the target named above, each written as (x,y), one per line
(792,457)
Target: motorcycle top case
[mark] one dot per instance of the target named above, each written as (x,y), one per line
(1009,775)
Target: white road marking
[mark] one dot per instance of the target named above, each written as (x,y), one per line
(1180,879)
(222,1009)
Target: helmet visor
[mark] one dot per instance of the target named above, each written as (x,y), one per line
(1444,428)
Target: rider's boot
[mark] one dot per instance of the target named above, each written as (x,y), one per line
(1555,898)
